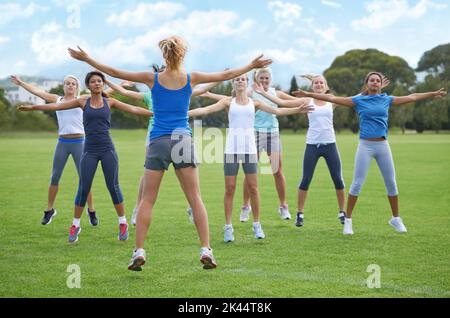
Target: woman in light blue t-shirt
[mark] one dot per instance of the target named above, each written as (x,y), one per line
(373,111)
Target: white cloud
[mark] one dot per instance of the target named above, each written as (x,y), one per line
(4,39)
(278,56)
(146,14)
(65,3)
(50,44)
(285,13)
(201,29)
(384,13)
(10,11)
(331,4)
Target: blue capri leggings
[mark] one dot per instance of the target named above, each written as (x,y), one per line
(88,166)
(331,156)
(65,148)
(380,150)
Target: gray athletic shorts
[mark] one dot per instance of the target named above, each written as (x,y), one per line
(163,151)
(268,141)
(231,164)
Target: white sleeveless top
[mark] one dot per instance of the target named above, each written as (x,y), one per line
(320,130)
(241,134)
(70,121)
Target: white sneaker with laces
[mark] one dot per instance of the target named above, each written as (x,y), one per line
(257,229)
(284,212)
(134,217)
(228,233)
(348,228)
(245,213)
(397,224)
(137,260)
(190,214)
(207,258)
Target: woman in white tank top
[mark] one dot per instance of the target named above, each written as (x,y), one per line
(241,146)
(70,141)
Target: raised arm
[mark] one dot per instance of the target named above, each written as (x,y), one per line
(199,90)
(281,102)
(125,92)
(135,110)
(417,96)
(303,108)
(344,101)
(79,102)
(205,111)
(141,77)
(49,98)
(283,95)
(197,77)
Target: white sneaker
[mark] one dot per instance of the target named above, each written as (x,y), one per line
(137,260)
(284,212)
(257,229)
(207,258)
(397,223)
(190,214)
(348,229)
(245,213)
(228,233)
(134,217)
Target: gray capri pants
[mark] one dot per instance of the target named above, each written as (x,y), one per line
(64,148)
(380,150)
(231,164)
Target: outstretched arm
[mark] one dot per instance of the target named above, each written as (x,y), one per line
(281,102)
(80,102)
(129,108)
(199,90)
(344,101)
(214,96)
(125,92)
(141,77)
(197,77)
(49,98)
(283,95)
(303,108)
(205,111)
(417,96)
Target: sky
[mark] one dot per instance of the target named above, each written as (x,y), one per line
(301,36)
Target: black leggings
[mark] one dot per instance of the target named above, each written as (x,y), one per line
(312,155)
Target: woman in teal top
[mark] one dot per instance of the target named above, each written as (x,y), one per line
(373,111)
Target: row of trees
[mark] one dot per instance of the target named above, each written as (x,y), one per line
(345,77)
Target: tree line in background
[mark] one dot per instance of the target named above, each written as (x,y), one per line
(345,77)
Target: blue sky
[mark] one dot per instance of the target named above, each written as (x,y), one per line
(301,36)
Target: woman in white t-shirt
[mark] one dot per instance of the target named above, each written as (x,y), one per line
(320,142)
(70,140)
(241,146)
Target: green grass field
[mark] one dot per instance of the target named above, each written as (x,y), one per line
(314,261)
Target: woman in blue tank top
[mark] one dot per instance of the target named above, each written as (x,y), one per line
(373,110)
(98,147)
(171,92)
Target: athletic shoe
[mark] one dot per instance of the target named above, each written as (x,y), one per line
(92,218)
(341,217)
(134,217)
(245,213)
(207,258)
(73,234)
(228,233)
(137,260)
(284,212)
(190,214)
(299,220)
(123,232)
(48,216)
(397,223)
(257,229)
(348,228)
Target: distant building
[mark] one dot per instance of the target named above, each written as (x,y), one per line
(20,94)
